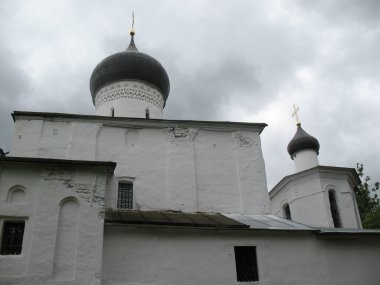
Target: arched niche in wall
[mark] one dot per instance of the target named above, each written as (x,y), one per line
(64,264)
(16,195)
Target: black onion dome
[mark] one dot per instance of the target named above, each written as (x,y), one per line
(302,140)
(130,64)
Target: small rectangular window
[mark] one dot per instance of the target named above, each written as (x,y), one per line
(11,239)
(147,113)
(246,264)
(125,196)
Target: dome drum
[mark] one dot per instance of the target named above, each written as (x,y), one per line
(129,98)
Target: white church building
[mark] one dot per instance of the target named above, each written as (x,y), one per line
(127,197)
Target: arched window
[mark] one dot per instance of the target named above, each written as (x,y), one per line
(286,210)
(334,209)
(147,113)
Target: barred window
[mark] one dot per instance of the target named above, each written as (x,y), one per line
(287,213)
(246,264)
(11,239)
(334,209)
(125,196)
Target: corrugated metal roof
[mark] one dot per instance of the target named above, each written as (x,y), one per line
(268,222)
(208,220)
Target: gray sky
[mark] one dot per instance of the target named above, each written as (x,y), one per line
(226,60)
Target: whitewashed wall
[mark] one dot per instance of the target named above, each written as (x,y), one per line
(308,198)
(63,212)
(196,167)
(191,257)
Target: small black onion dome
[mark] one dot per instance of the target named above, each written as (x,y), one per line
(302,140)
(130,64)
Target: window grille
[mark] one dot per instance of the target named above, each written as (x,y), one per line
(125,196)
(246,264)
(11,240)
(287,213)
(334,210)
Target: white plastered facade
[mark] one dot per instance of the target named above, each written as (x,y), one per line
(189,166)
(194,256)
(174,165)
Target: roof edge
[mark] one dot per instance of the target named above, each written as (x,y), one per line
(110,165)
(346,233)
(139,122)
(351,172)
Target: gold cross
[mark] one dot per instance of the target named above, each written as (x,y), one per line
(132,33)
(295,114)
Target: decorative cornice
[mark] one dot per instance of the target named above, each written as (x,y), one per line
(129,90)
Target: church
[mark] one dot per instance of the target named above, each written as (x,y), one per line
(127,197)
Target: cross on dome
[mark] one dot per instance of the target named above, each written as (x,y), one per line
(132,32)
(295,114)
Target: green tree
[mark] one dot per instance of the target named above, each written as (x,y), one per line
(367,199)
(372,220)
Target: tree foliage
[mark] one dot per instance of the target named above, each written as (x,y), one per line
(372,220)
(368,200)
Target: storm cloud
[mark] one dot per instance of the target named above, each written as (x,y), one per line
(226,60)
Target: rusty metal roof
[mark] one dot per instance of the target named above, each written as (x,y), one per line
(207,220)
(228,221)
